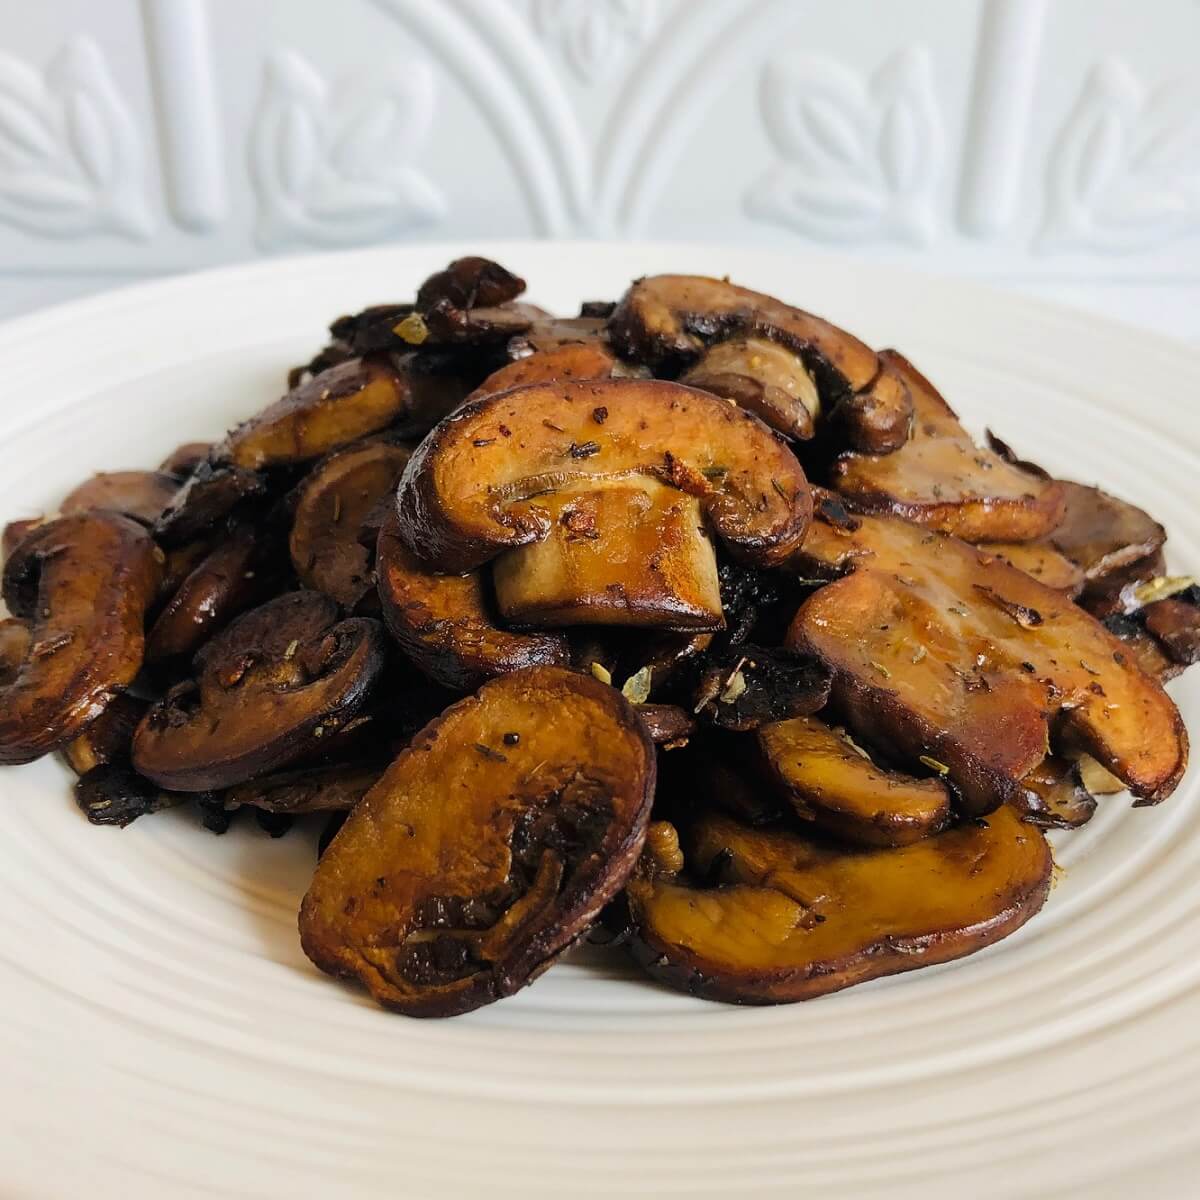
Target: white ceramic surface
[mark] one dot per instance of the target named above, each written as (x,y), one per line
(162,1035)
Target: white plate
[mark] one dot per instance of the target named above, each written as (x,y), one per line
(161,1033)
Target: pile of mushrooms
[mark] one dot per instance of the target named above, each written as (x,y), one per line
(690,625)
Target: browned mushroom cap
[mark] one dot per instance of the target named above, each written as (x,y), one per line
(1102,534)
(443,622)
(879,419)
(335,788)
(332,409)
(142,495)
(488,846)
(234,575)
(478,484)
(797,918)
(666,319)
(335,502)
(1127,588)
(83,584)
(829,780)
(210,494)
(942,479)
(184,459)
(269,688)
(108,737)
(470,282)
(667,725)
(958,660)
(764,378)
(1053,797)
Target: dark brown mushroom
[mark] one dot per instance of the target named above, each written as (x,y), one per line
(1053,796)
(571,361)
(15,637)
(142,495)
(568,478)
(547,334)
(952,657)
(487,848)
(444,623)
(794,918)
(942,479)
(184,459)
(83,584)
(210,494)
(1175,622)
(1104,535)
(337,787)
(114,794)
(470,282)
(335,502)
(15,532)
(744,686)
(236,574)
(667,725)
(267,690)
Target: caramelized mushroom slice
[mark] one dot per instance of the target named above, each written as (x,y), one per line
(470,282)
(114,794)
(796,918)
(330,410)
(268,689)
(108,738)
(15,532)
(764,378)
(142,495)
(1125,589)
(832,782)
(82,584)
(335,788)
(335,503)
(571,361)
(942,479)
(210,494)
(667,320)
(1102,534)
(487,848)
(1175,622)
(445,324)
(443,622)
(878,419)
(667,725)
(234,575)
(540,471)
(549,334)
(1053,796)
(1142,648)
(957,659)
(15,637)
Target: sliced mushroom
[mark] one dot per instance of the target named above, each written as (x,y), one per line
(499,474)
(470,282)
(210,494)
(878,419)
(668,320)
(268,689)
(764,378)
(184,459)
(796,918)
(746,686)
(15,637)
(549,334)
(108,738)
(830,781)
(335,503)
(1102,534)
(954,657)
(572,361)
(236,574)
(487,848)
(1053,796)
(444,623)
(1142,648)
(332,354)
(142,495)
(15,532)
(446,325)
(335,788)
(1175,622)
(83,584)
(114,794)
(942,479)
(330,410)
(668,725)
(1125,589)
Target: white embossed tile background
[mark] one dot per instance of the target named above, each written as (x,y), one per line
(1050,145)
